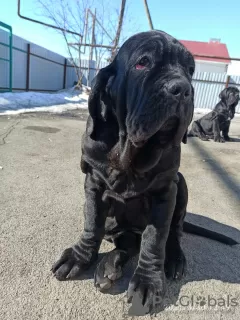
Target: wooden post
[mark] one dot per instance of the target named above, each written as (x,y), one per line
(64,73)
(148,14)
(228,80)
(91,49)
(119,29)
(28,66)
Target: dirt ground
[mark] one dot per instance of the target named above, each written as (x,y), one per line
(41,205)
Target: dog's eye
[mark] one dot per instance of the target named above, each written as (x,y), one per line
(143,63)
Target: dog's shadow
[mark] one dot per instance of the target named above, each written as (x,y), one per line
(206,259)
(234,140)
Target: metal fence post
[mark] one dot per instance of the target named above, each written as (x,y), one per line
(10,59)
(28,67)
(64,73)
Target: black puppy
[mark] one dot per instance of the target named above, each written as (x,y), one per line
(140,108)
(217,121)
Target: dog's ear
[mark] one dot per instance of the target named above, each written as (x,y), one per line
(96,106)
(223,94)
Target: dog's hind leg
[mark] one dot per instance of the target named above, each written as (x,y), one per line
(198,131)
(110,267)
(175,261)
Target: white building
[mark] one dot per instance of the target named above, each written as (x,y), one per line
(234,68)
(214,48)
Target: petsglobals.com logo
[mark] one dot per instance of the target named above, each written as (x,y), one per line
(192,303)
(208,301)
(204,302)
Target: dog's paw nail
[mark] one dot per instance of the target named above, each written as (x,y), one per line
(115,276)
(104,285)
(129,299)
(178,276)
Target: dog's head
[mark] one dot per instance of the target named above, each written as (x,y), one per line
(230,97)
(148,86)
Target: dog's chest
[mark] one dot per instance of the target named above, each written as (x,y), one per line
(131,183)
(128,184)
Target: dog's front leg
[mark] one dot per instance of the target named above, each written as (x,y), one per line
(77,258)
(147,286)
(225,131)
(216,131)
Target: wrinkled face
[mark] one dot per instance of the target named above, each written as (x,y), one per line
(155,71)
(230,96)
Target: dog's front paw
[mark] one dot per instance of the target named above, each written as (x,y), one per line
(219,139)
(109,269)
(146,293)
(72,262)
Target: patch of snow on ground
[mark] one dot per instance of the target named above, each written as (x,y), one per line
(202,110)
(15,102)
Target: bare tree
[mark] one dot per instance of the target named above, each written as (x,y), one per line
(98,21)
(67,17)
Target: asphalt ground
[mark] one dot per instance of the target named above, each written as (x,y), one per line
(41,213)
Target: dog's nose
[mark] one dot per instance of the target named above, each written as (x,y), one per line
(179,88)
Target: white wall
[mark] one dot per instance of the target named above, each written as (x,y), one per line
(234,68)
(208,66)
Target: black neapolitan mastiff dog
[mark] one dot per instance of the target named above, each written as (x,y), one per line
(140,108)
(212,124)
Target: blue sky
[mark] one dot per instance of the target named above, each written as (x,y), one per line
(184,19)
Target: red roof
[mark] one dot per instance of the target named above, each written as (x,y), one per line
(211,48)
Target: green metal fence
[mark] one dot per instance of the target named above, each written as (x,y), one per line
(9,45)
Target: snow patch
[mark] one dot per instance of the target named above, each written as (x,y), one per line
(70,99)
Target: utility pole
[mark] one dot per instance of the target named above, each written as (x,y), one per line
(148,14)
